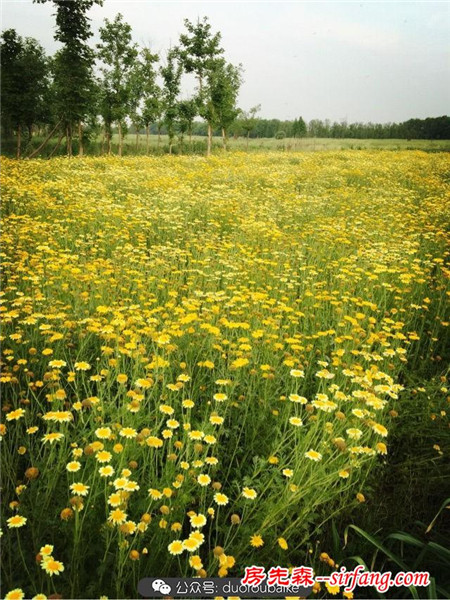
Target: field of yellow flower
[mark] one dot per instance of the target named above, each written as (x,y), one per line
(202,358)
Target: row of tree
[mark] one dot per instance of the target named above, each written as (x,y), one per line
(118,86)
(430,129)
(117,81)
(245,125)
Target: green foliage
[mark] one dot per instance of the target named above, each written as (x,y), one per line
(74,87)
(73,84)
(118,55)
(187,111)
(171,74)
(224,81)
(199,49)
(24,82)
(72,24)
(249,120)
(299,128)
(151,93)
(388,555)
(200,53)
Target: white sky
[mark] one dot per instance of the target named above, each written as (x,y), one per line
(360,61)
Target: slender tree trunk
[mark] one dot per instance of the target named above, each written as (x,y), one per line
(103,140)
(147,138)
(224,138)
(45,142)
(80,139)
(58,144)
(109,136)
(137,139)
(248,135)
(159,137)
(19,138)
(190,138)
(119,124)
(29,138)
(69,140)
(208,148)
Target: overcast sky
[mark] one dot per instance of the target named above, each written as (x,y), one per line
(359,61)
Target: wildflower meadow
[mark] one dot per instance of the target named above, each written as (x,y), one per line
(204,358)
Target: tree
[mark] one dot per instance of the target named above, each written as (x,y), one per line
(118,55)
(171,74)
(151,94)
(224,81)
(152,112)
(199,51)
(318,128)
(187,111)
(249,120)
(105,108)
(73,65)
(24,84)
(74,87)
(136,92)
(11,82)
(299,128)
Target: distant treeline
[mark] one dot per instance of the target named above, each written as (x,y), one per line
(437,128)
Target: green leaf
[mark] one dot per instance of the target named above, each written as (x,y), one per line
(432,589)
(405,537)
(445,504)
(379,546)
(414,592)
